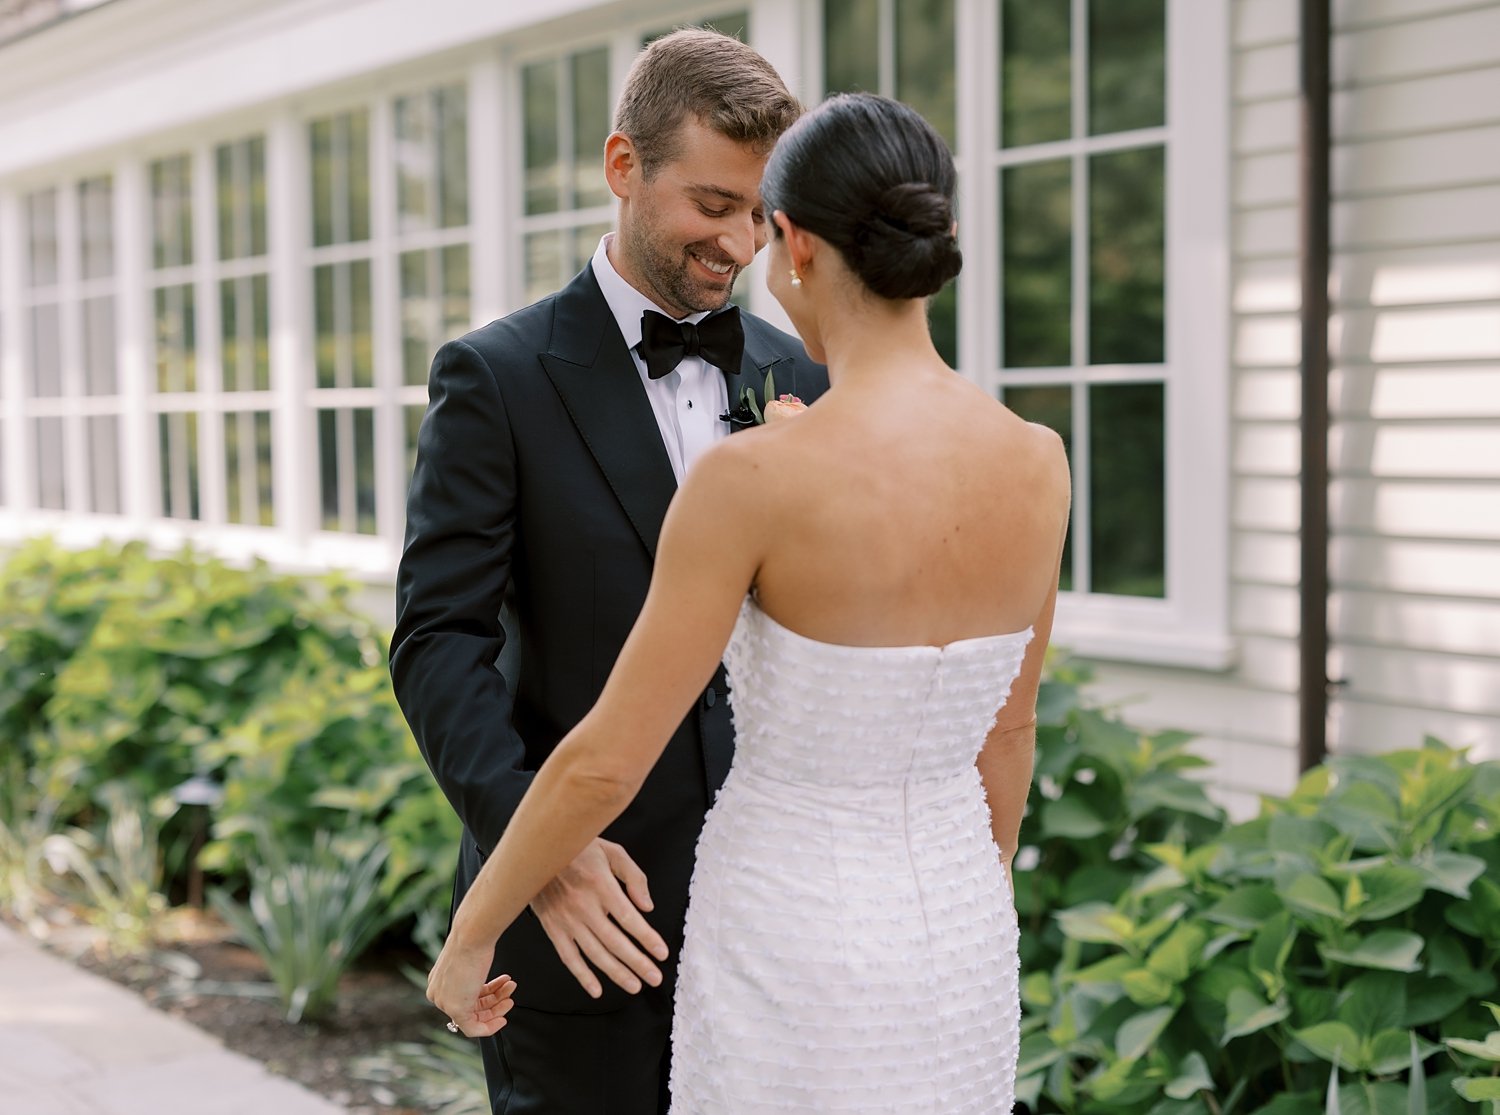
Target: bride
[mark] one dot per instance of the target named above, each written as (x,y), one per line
(879,575)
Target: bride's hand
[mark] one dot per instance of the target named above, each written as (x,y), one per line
(784,407)
(457,987)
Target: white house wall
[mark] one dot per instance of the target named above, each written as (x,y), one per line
(1415,395)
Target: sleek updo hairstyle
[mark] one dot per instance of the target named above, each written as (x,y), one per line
(874,179)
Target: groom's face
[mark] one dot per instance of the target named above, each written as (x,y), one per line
(688,230)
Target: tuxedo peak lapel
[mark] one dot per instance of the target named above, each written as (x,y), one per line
(593,374)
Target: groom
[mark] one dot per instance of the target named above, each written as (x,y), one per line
(553,442)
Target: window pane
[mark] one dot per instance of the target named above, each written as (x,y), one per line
(244,320)
(325,326)
(1127,248)
(413,163)
(1127,65)
(257,200)
(539,98)
(454,268)
(247,450)
(103,450)
(586,243)
(361,323)
(99,357)
(178,435)
(96,220)
(417,315)
(171,212)
(452,133)
(851,45)
(1127,489)
(1052,407)
(320,141)
(42,237)
(590,127)
(544,264)
(1036,259)
(49,464)
(346,455)
(925,62)
(46,355)
(357,131)
(1036,72)
(225,190)
(176,356)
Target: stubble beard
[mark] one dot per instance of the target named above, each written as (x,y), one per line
(667,269)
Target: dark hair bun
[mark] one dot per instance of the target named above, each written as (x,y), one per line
(905,247)
(874,179)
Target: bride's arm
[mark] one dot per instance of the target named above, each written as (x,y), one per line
(707,557)
(1005,762)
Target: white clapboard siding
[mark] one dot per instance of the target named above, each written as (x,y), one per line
(1414,395)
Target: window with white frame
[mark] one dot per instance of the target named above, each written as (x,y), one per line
(72,402)
(171,283)
(565,205)
(432,238)
(1089,137)
(343,395)
(245,400)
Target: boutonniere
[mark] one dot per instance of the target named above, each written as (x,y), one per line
(748,410)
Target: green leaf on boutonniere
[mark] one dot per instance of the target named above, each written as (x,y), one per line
(770,385)
(760,419)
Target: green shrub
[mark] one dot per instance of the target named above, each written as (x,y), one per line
(147,671)
(1353,928)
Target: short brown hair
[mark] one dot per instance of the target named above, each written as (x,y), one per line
(716,78)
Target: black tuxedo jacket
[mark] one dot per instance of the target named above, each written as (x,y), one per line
(539,490)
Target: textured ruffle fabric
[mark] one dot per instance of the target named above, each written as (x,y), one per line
(851,943)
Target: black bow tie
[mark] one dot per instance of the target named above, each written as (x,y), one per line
(719,340)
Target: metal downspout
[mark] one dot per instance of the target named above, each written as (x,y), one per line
(1316,143)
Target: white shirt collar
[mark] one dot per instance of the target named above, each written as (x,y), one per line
(624,301)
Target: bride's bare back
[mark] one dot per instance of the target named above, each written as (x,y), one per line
(913,510)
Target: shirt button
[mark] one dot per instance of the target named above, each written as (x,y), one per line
(710,697)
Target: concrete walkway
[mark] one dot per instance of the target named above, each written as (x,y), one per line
(72,1043)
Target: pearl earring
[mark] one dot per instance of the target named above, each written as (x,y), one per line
(796,278)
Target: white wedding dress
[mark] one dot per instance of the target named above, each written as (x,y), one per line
(851,942)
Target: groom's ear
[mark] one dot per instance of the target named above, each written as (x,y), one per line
(622,165)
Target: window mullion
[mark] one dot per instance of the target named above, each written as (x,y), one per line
(70,347)
(213,507)
(385,322)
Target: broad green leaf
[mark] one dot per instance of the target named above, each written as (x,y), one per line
(1373,1002)
(1432,1000)
(1192,1077)
(1390,1051)
(1139,1034)
(1312,895)
(1069,818)
(1146,988)
(1097,923)
(1389,891)
(1477,1089)
(1367,1097)
(1292,1103)
(1247,1013)
(1392,950)
(1036,990)
(1245,908)
(1334,1042)
(1486,1050)
(1110,970)
(1451,872)
(1301,836)
(1143,936)
(1037,1052)
(1176,957)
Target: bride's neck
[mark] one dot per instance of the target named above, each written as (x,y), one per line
(870,339)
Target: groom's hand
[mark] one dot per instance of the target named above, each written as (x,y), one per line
(592,910)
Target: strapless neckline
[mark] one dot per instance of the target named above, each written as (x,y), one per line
(1023,636)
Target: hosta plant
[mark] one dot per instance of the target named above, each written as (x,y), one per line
(1350,934)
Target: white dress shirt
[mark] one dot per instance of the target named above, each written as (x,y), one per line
(687,402)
